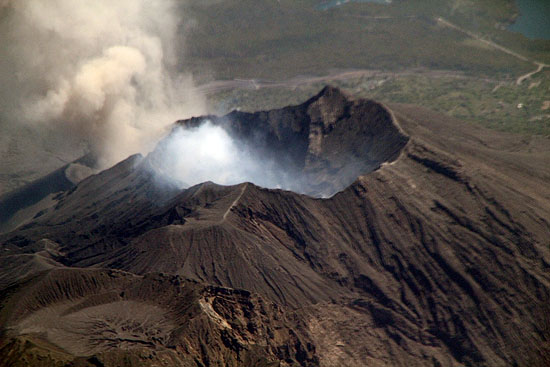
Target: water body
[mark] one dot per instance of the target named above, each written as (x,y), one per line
(534,19)
(334,3)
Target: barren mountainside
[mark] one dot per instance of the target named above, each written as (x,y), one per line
(422,241)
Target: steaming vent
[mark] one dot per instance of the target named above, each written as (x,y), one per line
(317,148)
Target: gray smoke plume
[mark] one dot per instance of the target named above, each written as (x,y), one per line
(94,71)
(103,73)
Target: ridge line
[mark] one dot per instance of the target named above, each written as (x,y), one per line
(234,202)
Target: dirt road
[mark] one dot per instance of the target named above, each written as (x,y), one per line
(520,79)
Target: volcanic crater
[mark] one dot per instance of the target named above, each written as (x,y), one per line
(324,144)
(438,258)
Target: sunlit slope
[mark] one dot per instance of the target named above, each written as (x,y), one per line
(440,256)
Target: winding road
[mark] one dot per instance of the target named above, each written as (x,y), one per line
(520,79)
(234,202)
(540,66)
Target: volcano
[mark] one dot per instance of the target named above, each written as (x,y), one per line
(415,240)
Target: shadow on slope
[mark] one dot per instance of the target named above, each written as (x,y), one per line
(437,258)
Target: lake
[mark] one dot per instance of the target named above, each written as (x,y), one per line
(334,3)
(534,19)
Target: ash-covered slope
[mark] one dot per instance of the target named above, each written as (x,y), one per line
(21,205)
(440,257)
(90,317)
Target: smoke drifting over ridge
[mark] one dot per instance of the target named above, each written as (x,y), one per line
(103,73)
(99,72)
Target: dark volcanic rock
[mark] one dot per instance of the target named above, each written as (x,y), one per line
(437,254)
(325,143)
(151,320)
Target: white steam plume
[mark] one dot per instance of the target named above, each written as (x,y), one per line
(94,70)
(189,156)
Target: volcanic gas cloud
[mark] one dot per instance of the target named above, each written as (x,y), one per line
(100,72)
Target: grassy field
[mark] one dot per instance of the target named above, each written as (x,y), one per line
(498,105)
(280,39)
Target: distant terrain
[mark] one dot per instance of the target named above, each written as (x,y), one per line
(494,103)
(282,39)
(456,57)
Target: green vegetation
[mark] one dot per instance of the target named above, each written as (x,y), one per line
(271,39)
(503,106)
(490,103)
(418,59)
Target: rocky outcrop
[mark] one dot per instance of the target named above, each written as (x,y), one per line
(118,317)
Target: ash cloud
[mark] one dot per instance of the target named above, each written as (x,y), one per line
(96,72)
(103,74)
